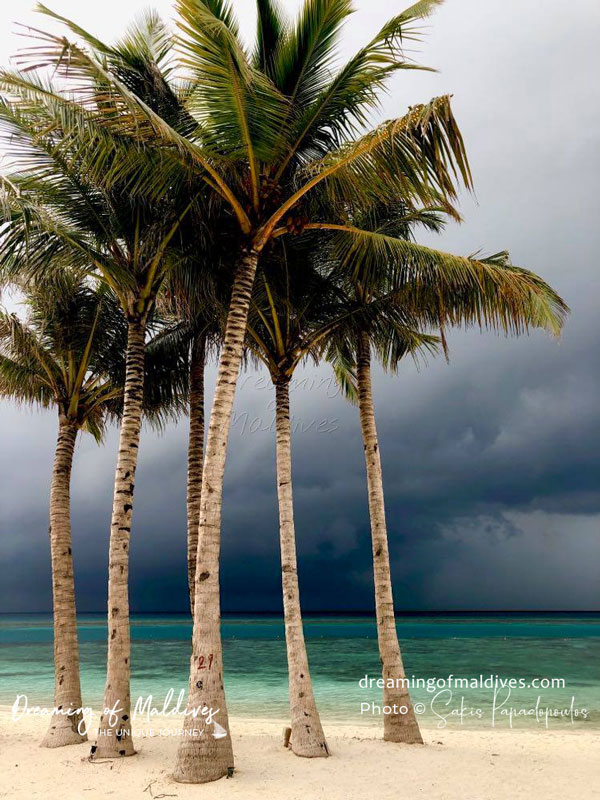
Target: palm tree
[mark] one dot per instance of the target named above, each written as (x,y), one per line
(505,298)
(275,142)
(293,308)
(58,207)
(61,358)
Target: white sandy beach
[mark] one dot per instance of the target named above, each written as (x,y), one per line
(470,765)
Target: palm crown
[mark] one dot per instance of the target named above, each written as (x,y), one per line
(275,146)
(399,311)
(60,208)
(64,354)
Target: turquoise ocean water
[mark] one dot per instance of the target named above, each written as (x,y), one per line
(342,650)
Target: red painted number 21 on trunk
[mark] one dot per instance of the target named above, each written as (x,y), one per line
(205,663)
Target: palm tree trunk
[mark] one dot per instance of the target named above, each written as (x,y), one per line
(195,455)
(114,731)
(401,726)
(204,753)
(307,737)
(63,728)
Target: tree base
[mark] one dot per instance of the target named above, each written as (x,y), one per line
(200,776)
(62,733)
(195,766)
(400,732)
(306,744)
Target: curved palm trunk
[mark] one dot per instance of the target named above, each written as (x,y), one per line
(307,737)
(205,752)
(195,455)
(63,728)
(397,727)
(114,731)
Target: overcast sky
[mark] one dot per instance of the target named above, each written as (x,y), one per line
(490,463)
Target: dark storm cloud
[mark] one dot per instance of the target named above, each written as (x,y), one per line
(490,463)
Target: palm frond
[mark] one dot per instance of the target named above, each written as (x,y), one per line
(343,103)
(271,32)
(21,344)
(239,109)
(451,290)
(23,384)
(303,62)
(344,371)
(412,155)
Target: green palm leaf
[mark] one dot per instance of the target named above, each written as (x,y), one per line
(451,290)
(335,108)
(271,32)
(303,61)
(236,105)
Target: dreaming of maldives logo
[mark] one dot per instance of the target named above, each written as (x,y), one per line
(143,709)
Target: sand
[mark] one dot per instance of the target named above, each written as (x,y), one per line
(466,764)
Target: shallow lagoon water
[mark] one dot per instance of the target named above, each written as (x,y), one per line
(342,650)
